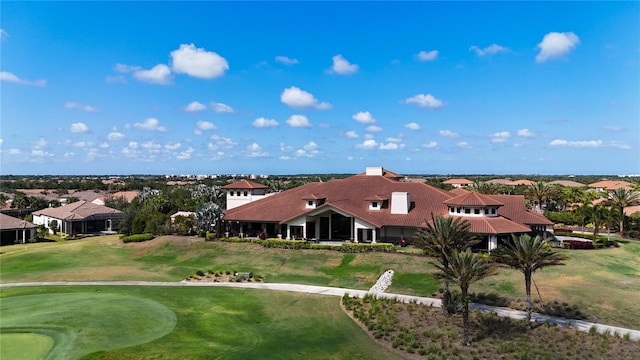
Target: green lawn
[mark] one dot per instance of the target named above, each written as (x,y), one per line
(181,323)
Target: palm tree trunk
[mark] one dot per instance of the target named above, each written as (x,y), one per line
(527,285)
(465,317)
(446,295)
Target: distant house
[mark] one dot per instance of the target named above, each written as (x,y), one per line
(88,195)
(610,185)
(458,183)
(80,217)
(14,229)
(187,214)
(521,182)
(377,206)
(567,183)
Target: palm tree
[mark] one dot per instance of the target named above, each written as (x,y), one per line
(439,239)
(486,188)
(540,192)
(528,255)
(621,198)
(464,269)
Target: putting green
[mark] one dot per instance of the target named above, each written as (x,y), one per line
(78,324)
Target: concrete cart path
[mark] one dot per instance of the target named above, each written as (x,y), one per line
(580,325)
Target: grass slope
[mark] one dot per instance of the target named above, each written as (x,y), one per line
(210,323)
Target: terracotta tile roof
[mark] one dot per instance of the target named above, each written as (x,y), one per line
(458,191)
(377,198)
(128,195)
(87,195)
(458,181)
(245,184)
(631,210)
(10,223)
(567,183)
(79,210)
(612,184)
(473,198)
(524,182)
(515,209)
(314,197)
(386,173)
(498,181)
(494,225)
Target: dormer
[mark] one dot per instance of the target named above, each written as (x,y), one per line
(473,204)
(376,202)
(312,201)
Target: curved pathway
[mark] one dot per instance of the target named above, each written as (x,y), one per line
(580,325)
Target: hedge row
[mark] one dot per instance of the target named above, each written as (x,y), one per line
(301,244)
(137,238)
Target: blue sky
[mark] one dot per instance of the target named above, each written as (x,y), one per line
(317,87)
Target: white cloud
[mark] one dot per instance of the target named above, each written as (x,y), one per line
(448,133)
(195,106)
(3,34)
(390,146)
(619,145)
(79,128)
(463,144)
(430,145)
(221,108)
(364,117)
(1,141)
(500,137)
(254,150)
(427,55)
(310,149)
(579,144)
(10,77)
(286,60)
(394,139)
(373,128)
(151,124)
(184,155)
(556,44)
(263,122)
(526,133)
(205,125)
(159,74)
(298,98)
(151,146)
(125,69)
(342,66)
(422,100)
(104,145)
(298,121)
(412,126)
(220,142)
(75,105)
(115,136)
(198,62)
(489,50)
(612,128)
(351,134)
(40,153)
(368,144)
(133,144)
(175,146)
(83,144)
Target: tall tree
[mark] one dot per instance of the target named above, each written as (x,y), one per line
(464,269)
(439,239)
(208,217)
(528,255)
(621,198)
(540,192)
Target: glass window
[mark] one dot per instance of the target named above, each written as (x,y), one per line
(238,193)
(467,211)
(458,210)
(374,204)
(309,202)
(476,211)
(246,193)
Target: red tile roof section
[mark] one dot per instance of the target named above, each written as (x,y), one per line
(473,198)
(458,181)
(245,184)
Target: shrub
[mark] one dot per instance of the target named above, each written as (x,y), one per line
(361,248)
(137,238)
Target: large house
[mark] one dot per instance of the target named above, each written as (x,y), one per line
(14,230)
(80,217)
(378,205)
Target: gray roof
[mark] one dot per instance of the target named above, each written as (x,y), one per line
(80,210)
(10,223)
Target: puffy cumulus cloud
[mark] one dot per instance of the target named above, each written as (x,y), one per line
(525,133)
(310,149)
(364,117)
(579,144)
(427,55)
(373,128)
(151,124)
(151,146)
(489,50)
(500,137)
(342,66)
(463,144)
(427,101)
(298,121)
(205,125)
(79,128)
(104,145)
(40,143)
(83,144)
(133,144)
(172,147)
(298,98)
(368,144)
(556,44)
(3,34)
(195,106)
(115,136)
(159,74)
(78,106)
(37,155)
(10,77)
(351,134)
(186,154)
(264,122)
(448,133)
(412,126)
(198,62)
(219,142)
(221,108)
(390,146)
(286,60)
(430,145)
(255,150)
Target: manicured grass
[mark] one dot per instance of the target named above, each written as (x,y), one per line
(219,323)
(603,283)
(24,345)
